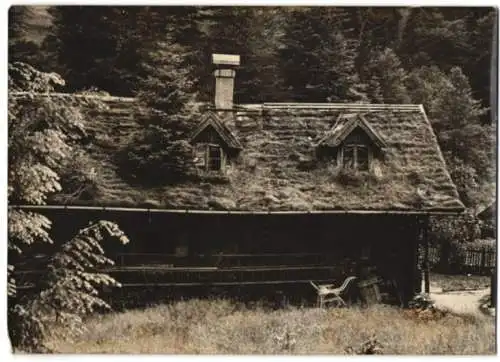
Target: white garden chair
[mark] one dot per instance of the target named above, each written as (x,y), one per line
(327,293)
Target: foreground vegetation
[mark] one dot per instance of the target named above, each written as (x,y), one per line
(224,327)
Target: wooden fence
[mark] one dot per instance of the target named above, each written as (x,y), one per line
(473,261)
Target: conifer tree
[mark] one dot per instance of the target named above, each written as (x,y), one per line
(318,56)
(264,83)
(89,47)
(385,77)
(456,118)
(430,33)
(167,88)
(252,33)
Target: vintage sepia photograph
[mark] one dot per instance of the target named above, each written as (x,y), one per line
(252,180)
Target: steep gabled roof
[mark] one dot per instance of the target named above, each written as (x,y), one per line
(277,169)
(346,123)
(488,211)
(212,120)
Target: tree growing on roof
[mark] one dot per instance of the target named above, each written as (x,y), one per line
(42,135)
(167,88)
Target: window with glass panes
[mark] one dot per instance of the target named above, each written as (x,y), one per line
(356,157)
(214,161)
(209,157)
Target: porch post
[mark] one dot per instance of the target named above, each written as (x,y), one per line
(425,241)
(416,261)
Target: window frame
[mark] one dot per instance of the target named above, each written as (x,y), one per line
(212,160)
(355,146)
(206,148)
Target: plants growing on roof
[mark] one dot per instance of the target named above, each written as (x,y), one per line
(156,158)
(351,177)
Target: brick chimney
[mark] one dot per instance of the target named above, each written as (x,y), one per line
(224,79)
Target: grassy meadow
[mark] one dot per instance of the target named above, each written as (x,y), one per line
(225,327)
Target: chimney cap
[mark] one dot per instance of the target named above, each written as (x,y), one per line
(226,59)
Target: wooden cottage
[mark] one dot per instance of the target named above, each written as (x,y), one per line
(287,193)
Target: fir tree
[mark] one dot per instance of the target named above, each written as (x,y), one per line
(385,78)
(430,33)
(318,57)
(252,33)
(89,46)
(456,118)
(166,87)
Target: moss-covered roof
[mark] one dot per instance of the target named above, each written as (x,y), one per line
(277,168)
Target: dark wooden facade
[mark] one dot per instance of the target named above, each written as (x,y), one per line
(184,249)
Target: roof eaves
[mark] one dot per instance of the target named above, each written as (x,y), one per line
(227,135)
(434,211)
(202,125)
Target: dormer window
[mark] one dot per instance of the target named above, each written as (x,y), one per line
(356,157)
(354,142)
(213,145)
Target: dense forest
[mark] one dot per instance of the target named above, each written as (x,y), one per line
(443,58)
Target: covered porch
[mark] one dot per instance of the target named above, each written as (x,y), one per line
(226,250)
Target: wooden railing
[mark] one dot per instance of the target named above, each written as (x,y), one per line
(227,269)
(223,260)
(155,270)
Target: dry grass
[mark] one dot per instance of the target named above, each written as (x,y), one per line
(222,327)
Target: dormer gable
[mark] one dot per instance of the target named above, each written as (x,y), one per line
(212,130)
(349,125)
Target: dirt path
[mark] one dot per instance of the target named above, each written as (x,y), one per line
(461,302)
